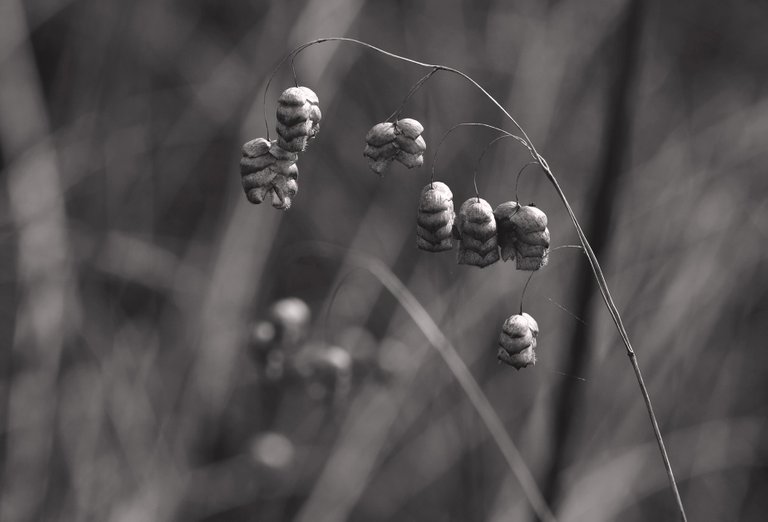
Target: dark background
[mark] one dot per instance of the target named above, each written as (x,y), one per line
(133,269)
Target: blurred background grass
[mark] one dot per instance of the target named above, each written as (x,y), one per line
(134,271)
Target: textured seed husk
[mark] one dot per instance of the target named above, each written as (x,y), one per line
(256,148)
(257,195)
(309,95)
(417,146)
(387,151)
(434,236)
(410,160)
(295,145)
(436,220)
(517,341)
(298,118)
(478,245)
(525,250)
(442,246)
(436,197)
(290,115)
(476,210)
(530,263)
(283,192)
(299,130)
(287,170)
(504,212)
(518,360)
(258,179)
(379,166)
(529,219)
(481,231)
(410,127)
(535,238)
(507,249)
(250,165)
(519,325)
(381,134)
(469,257)
(281,154)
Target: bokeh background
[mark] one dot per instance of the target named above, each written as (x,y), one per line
(147,372)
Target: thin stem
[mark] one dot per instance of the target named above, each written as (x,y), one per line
(411,92)
(522,295)
(470,124)
(593,262)
(482,154)
(452,359)
(517,179)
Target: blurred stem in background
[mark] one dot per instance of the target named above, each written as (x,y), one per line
(616,129)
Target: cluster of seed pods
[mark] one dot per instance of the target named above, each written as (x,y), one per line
(269,167)
(401,141)
(486,235)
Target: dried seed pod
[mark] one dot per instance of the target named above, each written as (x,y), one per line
(517,341)
(523,233)
(401,141)
(267,168)
(505,230)
(532,235)
(434,221)
(477,227)
(298,118)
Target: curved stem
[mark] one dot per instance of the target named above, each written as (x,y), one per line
(411,92)
(593,262)
(482,154)
(471,124)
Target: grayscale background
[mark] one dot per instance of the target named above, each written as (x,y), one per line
(146,373)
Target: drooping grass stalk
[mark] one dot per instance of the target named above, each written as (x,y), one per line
(452,359)
(593,262)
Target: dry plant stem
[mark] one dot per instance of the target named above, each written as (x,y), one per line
(593,262)
(455,364)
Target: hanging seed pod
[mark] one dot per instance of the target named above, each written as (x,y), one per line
(401,141)
(505,230)
(266,168)
(477,227)
(532,245)
(517,342)
(434,221)
(298,118)
(523,233)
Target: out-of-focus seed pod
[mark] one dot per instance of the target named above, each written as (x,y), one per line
(477,227)
(325,369)
(434,221)
(523,233)
(298,118)
(291,317)
(266,169)
(401,141)
(517,342)
(278,334)
(272,450)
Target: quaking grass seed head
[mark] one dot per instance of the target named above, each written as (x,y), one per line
(267,169)
(523,234)
(517,341)
(298,118)
(435,218)
(478,245)
(401,141)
